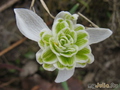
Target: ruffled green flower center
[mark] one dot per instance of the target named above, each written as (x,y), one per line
(66,46)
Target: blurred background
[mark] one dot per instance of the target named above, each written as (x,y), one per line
(18,67)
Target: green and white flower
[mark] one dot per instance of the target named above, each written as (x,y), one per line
(66,46)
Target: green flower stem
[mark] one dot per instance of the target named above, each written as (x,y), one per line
(65,85)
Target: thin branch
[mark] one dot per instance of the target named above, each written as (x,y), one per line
(88,20)
(7,5)
(32,5)
(12,46)
(46,8)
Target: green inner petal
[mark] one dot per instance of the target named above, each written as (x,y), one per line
(67,61)
(81,34)
(60,25)
(46,38)
(48,67)
(41,43)
(48,56)
(55,46)
(86,50)
(81,39)
(81,58)
(40,60)
(70,51)
(69,67)
(81,43)
(79,27)
(82,55)
(59,65)
(70,24)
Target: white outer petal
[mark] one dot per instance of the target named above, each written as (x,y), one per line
(64,75)
(38,54)
(98,34)
(29,23)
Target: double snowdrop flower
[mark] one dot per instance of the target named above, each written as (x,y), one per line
(66,46)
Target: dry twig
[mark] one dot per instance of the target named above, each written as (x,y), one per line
(46,8)
(12,46)
(32,5)
(7,5)
(88,20)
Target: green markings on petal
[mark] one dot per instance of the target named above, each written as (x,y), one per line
(67,16)
(49,67)
(48,56)
(59,65)
(70,24)
(69,33)
(86,50)
(59,26)
(81,43)
(44,38)
(54,46)
(81,34)
(79,27)
(82,65)
(67,61)
(40,60)
(70,51)
(82,56)
(81,39)
(62,67)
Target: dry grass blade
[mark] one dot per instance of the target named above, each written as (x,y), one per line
(88,20)
(12,46)
(32,5)
(46,8)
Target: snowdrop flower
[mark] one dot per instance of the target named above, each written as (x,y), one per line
(66,46)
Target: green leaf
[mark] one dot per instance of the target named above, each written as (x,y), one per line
(74,8)
(67,61)
(30,55)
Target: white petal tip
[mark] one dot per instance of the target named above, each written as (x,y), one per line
(98,34)
(29,23)
(64,75)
